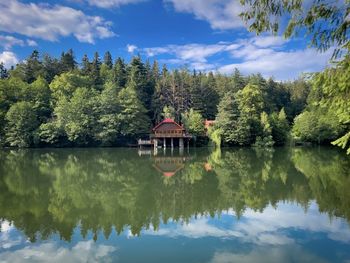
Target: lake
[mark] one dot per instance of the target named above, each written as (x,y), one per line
(200,205)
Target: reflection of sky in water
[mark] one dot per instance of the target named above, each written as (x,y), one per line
(285,234)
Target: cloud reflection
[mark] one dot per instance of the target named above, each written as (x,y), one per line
(83,251)
(270,227)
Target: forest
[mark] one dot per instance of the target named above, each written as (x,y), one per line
(47,101)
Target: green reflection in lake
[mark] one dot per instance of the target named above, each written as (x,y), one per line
(57,191)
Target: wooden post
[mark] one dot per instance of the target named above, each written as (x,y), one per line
(181,143)
(164,143)
(172,143)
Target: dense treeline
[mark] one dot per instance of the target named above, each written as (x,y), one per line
(48,101)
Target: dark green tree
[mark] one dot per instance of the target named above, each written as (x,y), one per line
(107,60)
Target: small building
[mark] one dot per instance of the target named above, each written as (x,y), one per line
(168,133)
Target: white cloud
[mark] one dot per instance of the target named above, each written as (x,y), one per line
(221,14)
(268,41)
(112,3)
(7,42)
(196,55)
(282,65)
(264,229)
(83,251)
(268,255)
(131,48)
(31,43)
(51,22)
(265,54)
(8,58)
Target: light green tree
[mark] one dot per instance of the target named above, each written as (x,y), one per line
(21,124)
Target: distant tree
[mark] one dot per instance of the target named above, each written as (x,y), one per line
(317,126)
(21,125)
(95,71)
(169,112)
(38,93)
(108,122)
(119,73)
(234,129)
(85,65)
(251,104)
(133,115)
(3,71)
(32,68)
(67,61)
(238,82)
(280,127)
(66,83)
(194,122)
(265,140)
(107,60)
(77,115)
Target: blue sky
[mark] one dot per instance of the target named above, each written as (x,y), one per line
(205,35)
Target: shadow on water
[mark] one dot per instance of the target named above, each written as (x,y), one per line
(47,191)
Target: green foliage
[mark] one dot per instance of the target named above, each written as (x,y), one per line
(66,84)
(280,127)
(233,127)
(193,122)
(265,140)
(215,136)
(76,115)
(325,23)
(168,112)
(21,124)
(334,84)
(108,108)
(328,115)
(133,115)
(316,126)
(111,111)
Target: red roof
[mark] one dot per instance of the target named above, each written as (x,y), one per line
(208,123)
(167,120)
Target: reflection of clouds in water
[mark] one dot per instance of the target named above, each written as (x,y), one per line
(268,255)
(196,229)
(84,251)
(291,216)
(264,228)
(6,241)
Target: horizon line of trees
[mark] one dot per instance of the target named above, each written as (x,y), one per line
(45,101)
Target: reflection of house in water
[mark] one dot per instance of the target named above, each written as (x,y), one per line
(169,165)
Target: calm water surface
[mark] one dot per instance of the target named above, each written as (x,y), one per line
(121,205)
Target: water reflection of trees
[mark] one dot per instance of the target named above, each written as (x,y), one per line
(52,191)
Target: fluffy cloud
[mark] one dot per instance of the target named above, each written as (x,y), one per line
(51,22)
(221,14)
(264,229)
(283,65)
(84,251)
(7,42)
(112,3)
(196,55)
(8,58)
(131,48)
(268,255)
(265,54)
